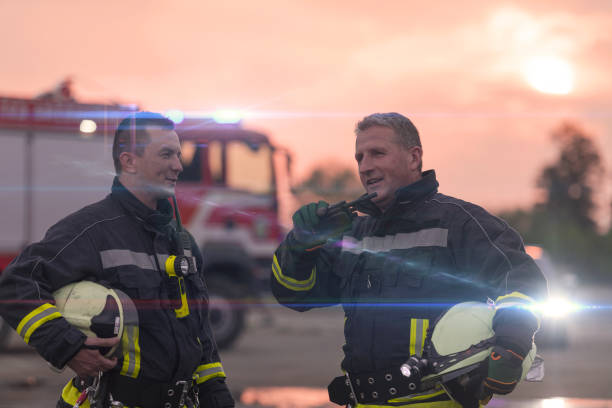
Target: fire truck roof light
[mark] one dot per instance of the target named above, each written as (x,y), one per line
(227,116)
(87,126)
(175,115)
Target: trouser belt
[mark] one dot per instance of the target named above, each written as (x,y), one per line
(149,394)
(373,387)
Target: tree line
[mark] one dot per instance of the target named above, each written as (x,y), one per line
(564,222)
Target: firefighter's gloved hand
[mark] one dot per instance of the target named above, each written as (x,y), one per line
(215,394)
(314,223)
(514,330)
(504,371)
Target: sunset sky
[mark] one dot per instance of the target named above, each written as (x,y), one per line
(485,82)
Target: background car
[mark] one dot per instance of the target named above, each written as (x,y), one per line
(556,311)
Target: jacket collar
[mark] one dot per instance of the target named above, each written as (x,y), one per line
(416,191)
(158,218)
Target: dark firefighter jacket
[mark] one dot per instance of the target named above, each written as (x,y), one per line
(119,242)
(395,272)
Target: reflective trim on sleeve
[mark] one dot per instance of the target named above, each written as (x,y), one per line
(290,283)
(35,319)
(70,395)
(131,352)
(518,299)
(437,237)
(513,299)
(418,332)
(205,372)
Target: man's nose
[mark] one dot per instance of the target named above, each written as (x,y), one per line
(365,165)
(177,165)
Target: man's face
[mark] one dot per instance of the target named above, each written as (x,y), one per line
(159,166)
(384,164)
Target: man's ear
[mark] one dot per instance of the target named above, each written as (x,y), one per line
(416,157)
(128,162)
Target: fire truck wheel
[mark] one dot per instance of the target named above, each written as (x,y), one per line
(5,331)
(227,314)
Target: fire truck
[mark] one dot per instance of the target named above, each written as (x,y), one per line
(56,158)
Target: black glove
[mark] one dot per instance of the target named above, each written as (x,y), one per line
(314,223)
(215,394)
(504,371)
(514,329)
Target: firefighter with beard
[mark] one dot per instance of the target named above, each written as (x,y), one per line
(414,254)
(128,241)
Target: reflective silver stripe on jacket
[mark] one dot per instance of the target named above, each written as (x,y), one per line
(112,258)
(423,238)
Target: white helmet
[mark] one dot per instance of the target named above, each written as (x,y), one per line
(459,345)
(96,310)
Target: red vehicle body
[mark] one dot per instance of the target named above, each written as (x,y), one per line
(56,158)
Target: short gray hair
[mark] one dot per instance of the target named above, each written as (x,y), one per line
(407,133)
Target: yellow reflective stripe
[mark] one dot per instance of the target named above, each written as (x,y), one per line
(521,300)
(426,404)
(35,319)
(125,345)
(418,397)
(131,352)
(412,336)
(424,334)
(169,264)
(290,283)
(514,296)
(70,394)
(136,353)
(418,333)
(207,366)
(184,309)
(205,372)
(40,322)
(33,313)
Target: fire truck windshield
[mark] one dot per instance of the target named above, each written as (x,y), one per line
(249,167)
(234,164)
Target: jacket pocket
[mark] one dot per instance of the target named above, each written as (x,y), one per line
(140,285)
(408,269)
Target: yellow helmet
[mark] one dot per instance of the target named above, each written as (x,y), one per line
(96,310)
(460,344)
